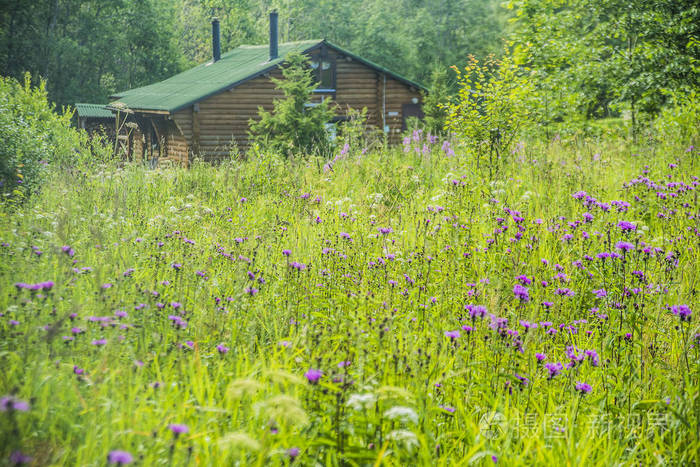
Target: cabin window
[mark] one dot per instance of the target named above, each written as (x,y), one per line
(324,74)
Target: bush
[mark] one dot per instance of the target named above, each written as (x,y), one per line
(293,126)
(490,109)
(434,102)
(680,122)
(33,136)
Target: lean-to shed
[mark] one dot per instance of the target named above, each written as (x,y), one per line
(94,118)
(206,109)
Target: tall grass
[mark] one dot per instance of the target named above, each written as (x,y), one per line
(208,297)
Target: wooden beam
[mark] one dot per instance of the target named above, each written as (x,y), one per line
(195,129)
(160,141)
(152,112)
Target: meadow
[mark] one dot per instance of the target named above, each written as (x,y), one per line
(393,307)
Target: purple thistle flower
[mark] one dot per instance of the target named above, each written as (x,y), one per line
(222,349)
(452,334)
(11,403)
(626,226)
(593,357)
(583,388)
(540,357)
(77,370)
(574,357)
(178,429)
(523,379)
(521,293)
(99,342)
(524,280)
(17,458)
(565,292)
(313,375)
(119,457)
(600,293)
(553,368)
(624,246)
(293,453)
(682,311)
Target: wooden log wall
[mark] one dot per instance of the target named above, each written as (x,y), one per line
(397,94)
(176,144)
(224,118)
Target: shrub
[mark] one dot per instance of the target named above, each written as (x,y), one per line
(34,137)
(294,126)
(680,122)
(490,108)
(434,102)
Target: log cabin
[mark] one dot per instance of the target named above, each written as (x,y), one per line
(205,111)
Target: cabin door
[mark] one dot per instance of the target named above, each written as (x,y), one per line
(411,110)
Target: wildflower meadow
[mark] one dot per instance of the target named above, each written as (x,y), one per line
(395,307)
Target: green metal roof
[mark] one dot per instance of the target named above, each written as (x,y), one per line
(93,111)
(235,67)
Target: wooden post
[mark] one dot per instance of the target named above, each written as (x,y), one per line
(116,133)
(380,117)
(158,138)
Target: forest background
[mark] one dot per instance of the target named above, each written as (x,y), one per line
(587,59)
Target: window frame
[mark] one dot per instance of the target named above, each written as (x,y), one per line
(320,58)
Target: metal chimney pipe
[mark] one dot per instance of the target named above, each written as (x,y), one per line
(274,51)
(216,39)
